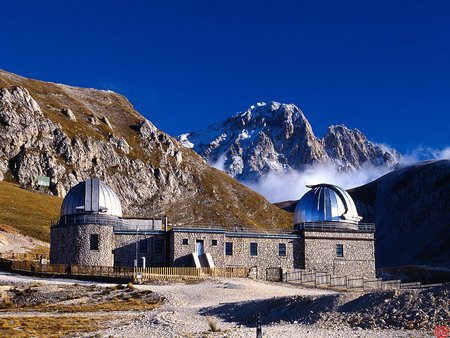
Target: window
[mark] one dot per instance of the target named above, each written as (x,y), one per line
(339,250)
(143,246)
(229,248)
(253,249)
(282,249)
(185,241)
(214,242)
(159,246)
(93,244)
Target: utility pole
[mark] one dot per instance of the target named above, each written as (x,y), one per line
(137,244)
(258,327)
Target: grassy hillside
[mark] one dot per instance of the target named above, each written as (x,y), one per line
(28,211)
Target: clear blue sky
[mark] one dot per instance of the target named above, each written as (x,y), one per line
(380,66)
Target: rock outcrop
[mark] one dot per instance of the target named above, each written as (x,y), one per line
(411,210)
(53,130)
(278,137)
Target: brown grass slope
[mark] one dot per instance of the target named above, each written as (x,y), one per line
(216,199)
(28,211)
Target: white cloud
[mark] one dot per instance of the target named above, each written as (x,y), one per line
(220,163)
(278,187)
(423,153)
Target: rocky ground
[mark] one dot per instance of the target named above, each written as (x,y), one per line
(215,308)
(12,241)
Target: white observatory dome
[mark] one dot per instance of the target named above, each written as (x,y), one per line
(326,203)
(91,196)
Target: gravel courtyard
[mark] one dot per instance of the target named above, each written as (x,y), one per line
(230,307)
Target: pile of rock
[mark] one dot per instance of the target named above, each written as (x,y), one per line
(422,309)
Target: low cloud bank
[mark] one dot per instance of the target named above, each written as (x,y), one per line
(423,153)
(277,187)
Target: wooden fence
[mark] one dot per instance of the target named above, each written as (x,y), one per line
(178,273)
(74,270)
(123,273)
(323,279)
(23,256)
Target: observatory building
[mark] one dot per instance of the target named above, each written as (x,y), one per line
(333,239)
(327,236)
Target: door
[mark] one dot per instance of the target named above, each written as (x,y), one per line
(200,247)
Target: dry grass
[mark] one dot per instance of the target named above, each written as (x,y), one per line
(28,211)
(6,302)
(40,250)
(52,326)
(100,300)
(117,304)
(213,327)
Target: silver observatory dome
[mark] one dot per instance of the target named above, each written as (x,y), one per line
(326,203)
(91,197)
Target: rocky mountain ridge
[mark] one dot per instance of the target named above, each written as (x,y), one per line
(70,133)
(411,210)
(278,137)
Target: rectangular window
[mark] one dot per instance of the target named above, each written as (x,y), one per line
(185,241)
(229,248)
(143,246)
(93,243)
(214,242)
(282,249)
(159,246)
(253,249)
(339,250)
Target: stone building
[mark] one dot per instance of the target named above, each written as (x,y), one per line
(326,237)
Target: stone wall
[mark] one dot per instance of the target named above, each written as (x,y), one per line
(310,250)
(180,254)
(268,252)
(127,247)
(358,253)
(70,244)
(64,246)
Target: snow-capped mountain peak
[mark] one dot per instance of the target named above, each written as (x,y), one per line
(278,137)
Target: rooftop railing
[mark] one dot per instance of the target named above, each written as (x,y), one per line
(156,224)
(369,227)
(236,228)
(119,224)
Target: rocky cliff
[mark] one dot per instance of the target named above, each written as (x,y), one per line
(70,133)
(278,137)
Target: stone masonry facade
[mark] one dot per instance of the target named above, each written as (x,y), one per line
(357,257)
(71,244)
(307,249)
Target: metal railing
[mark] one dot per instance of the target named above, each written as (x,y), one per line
(237,228)
(324,279)
(119,224)
(89,219)
(370,227)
